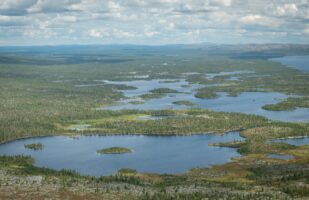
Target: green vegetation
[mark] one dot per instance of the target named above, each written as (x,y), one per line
(206,93)
(289,104)
(195,122)
(136,102)
(114,150)
(163,90)
(185,103)
(183,122)
(40,99)
(152,96)
(257,139)
(234,144)
(127,171)
(158,93)
(243,178)
(34,146)
(56,95)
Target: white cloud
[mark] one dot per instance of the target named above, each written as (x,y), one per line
(170,26)
(31,33)
(221,17)
(39,33)
(13,21)
(50,6)
(154,20)
(286,9)
(16,4)
(251,19)
(123,34)
(222,2)
(259,20)
(151,33)
(94,33)
(68,18)
(111,32)
(169,1)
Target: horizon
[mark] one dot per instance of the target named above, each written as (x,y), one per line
(155,45)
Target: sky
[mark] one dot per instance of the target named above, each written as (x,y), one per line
(153,22)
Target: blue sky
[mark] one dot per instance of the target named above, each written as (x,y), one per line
(53,22)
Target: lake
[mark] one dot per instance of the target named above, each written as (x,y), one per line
(246,102)
(297,141)
(297,62)
(280,156)
(158,154)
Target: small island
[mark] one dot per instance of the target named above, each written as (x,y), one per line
(157,93)
(34,146)
(114,150)
(184,103)
(136,102)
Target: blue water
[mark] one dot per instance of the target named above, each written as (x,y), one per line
(294,141)
(280,156)
(297,62)
(247,102)
(159,154)
(144,86)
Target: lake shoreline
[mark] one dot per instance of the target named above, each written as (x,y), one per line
(130,134)
(152,154)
